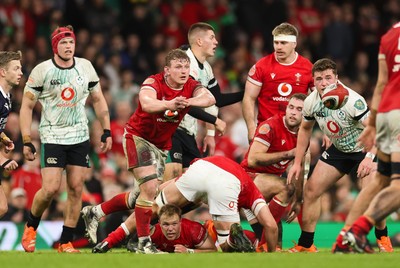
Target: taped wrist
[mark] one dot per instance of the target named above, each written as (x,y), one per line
(31,146)
(106,134)
(4,139)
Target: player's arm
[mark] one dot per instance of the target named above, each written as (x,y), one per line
(202,115)
(202,97)
(226,98)
(25,122)
(103,115)
(380,85)
(248,107)
(259,155)
(207,246)
(266,219)
(303,141)
(367,137)
(150,104)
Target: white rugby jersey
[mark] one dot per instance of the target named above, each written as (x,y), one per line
(204,75)
(342,126)
(62,93)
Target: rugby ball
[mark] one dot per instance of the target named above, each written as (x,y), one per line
(335,96)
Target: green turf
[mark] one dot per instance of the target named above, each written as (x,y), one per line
(121,258)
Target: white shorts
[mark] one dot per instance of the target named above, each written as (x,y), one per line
(388,132)
(222,189)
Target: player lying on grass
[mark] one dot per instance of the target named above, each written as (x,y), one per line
(228,188)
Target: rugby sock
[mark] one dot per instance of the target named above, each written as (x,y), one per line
(67,234)
(277,208)
(339,238)
(33,221)
(306,239)
(116,237)
(143,217)
(300,216)
(258,229)
(361,226)
(251,236)
(117,203)
(380,233)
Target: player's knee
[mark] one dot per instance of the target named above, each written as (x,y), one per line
(384,168)
(49,192)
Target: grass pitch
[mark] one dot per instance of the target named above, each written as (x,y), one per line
(119,258)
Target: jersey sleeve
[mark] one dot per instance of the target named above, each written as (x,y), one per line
(358,107)
(35,81)
(92,76)
(307,109)
(265,134)
(150,83)
(198,233)
(255,75)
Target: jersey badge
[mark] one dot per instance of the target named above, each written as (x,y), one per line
(298,75)
(148,81)
(359,105)
(264,129)
(283,142)
(79,80)
(252,70)
(273,75)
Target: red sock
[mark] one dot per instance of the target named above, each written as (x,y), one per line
(115,237)
(80,243)
(250,235)
(143,218)
(300,216)
(117,203)
(339,238)
(276,208)
(362,226)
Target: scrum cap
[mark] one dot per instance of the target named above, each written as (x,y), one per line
(60,33)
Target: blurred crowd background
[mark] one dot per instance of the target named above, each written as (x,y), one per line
(127,40)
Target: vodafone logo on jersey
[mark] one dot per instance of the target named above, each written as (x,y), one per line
(285,89)
(67,94)
(333,127)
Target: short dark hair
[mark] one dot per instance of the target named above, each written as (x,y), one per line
(170,210)
(7,56)
(324,64)
(174,55)
(197,27)
(298,96)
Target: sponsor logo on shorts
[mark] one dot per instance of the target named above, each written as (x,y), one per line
(178,156)
(325,155)
(51,160)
